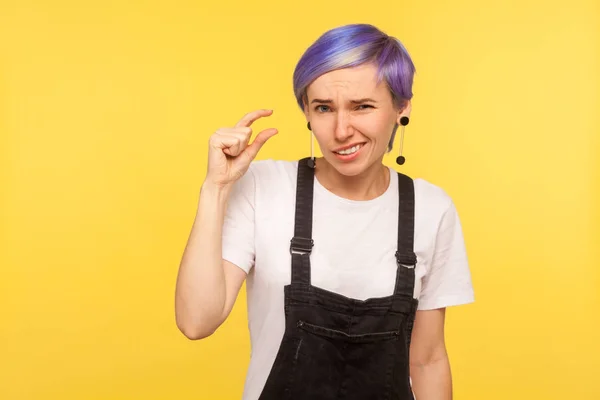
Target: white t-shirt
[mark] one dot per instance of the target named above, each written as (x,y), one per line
(353,254)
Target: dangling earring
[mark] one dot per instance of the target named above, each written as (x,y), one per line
(311,162)
(400,159)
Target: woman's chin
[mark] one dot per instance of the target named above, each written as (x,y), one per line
(354,168)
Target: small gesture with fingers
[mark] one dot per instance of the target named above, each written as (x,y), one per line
(230,152)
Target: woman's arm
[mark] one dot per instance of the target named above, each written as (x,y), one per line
(429,364)
(207,286)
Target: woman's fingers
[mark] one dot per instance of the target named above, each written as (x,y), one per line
(249,118)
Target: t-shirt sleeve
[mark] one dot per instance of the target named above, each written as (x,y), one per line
(448,280)
(238,225)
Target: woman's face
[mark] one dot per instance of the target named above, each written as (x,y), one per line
(352,117)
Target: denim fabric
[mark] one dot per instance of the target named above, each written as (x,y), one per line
(335,347)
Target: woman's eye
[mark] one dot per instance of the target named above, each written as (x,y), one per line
(364,106)
(322,108)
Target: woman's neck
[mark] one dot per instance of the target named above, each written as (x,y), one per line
(368,185)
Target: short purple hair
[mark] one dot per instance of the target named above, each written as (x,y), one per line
(352,45)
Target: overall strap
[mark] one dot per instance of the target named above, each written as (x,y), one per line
(406,258)
(302,243)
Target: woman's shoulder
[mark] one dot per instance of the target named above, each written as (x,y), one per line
(271,171)
(435,211)
(265,184)
(267,179)
(431,198)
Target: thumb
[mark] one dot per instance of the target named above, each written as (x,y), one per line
(253,149)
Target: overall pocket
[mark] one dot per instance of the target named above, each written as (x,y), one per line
(355,366)
(343,336)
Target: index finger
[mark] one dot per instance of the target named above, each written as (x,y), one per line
(249,118)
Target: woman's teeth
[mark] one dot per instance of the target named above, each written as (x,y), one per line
(350,150)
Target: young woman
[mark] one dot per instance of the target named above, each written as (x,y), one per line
(349,264)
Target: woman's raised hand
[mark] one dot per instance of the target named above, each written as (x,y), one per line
(230,153)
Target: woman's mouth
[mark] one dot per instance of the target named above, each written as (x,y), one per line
(349,153)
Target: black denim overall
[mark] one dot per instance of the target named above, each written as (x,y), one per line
(335,347)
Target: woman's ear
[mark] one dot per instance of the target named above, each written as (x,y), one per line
(404,111)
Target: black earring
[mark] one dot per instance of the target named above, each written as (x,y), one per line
(400,160)
(311,162)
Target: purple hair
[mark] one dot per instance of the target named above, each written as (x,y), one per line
(353,45)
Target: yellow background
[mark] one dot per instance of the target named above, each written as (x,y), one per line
(105,112)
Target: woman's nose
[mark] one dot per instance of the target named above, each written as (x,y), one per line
(342,128)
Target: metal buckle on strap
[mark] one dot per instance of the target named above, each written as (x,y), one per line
(300,245)
(408,260)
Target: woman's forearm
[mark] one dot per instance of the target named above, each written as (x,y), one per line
(432,380)
(200,293)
